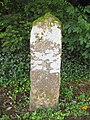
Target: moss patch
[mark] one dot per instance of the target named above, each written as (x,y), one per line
(46,16)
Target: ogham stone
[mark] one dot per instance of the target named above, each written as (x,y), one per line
(45,50)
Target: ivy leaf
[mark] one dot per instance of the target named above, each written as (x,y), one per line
(2,35)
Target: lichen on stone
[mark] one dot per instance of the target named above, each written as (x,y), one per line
(47,19)
(45,49)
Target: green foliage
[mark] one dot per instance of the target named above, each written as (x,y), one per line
(5,117)
(15,26)
(70,103)
(81,97)
(76,26)
(68,93)
(76,33)
(11,6)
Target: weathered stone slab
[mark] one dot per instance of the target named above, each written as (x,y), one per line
(45,49)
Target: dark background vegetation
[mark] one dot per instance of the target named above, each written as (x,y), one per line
(16,18)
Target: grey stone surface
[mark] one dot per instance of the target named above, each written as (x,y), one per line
(45,50)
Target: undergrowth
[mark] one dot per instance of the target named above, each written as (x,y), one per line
(74,95)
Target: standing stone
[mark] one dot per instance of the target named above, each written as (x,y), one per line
(45,48)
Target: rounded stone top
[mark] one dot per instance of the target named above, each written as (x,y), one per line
(48,20)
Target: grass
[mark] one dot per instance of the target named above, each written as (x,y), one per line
(74,102)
